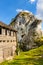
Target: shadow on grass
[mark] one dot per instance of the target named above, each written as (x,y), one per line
(24,61)
(27,61)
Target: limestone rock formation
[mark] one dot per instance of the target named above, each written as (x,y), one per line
(27,26)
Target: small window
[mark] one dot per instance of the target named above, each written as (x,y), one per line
(0,31)
(11,40)
(0,40)
(7,40)
(6,32)
(10,33)
(3,40)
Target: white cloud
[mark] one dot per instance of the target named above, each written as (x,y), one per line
(31,1)
(39,8)
(20,10)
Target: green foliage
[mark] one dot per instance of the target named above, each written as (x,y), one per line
(32,57)
(17,50)
(39,41)
(12,23)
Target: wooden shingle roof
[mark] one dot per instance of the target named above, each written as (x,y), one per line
(7,26)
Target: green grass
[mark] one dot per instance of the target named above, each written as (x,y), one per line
(32,57)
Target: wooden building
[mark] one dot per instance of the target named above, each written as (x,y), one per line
(8,41)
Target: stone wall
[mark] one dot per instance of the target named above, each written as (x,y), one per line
(7,45)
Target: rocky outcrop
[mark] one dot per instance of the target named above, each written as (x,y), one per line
(28,27)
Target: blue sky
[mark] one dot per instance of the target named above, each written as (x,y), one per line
(10,8)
